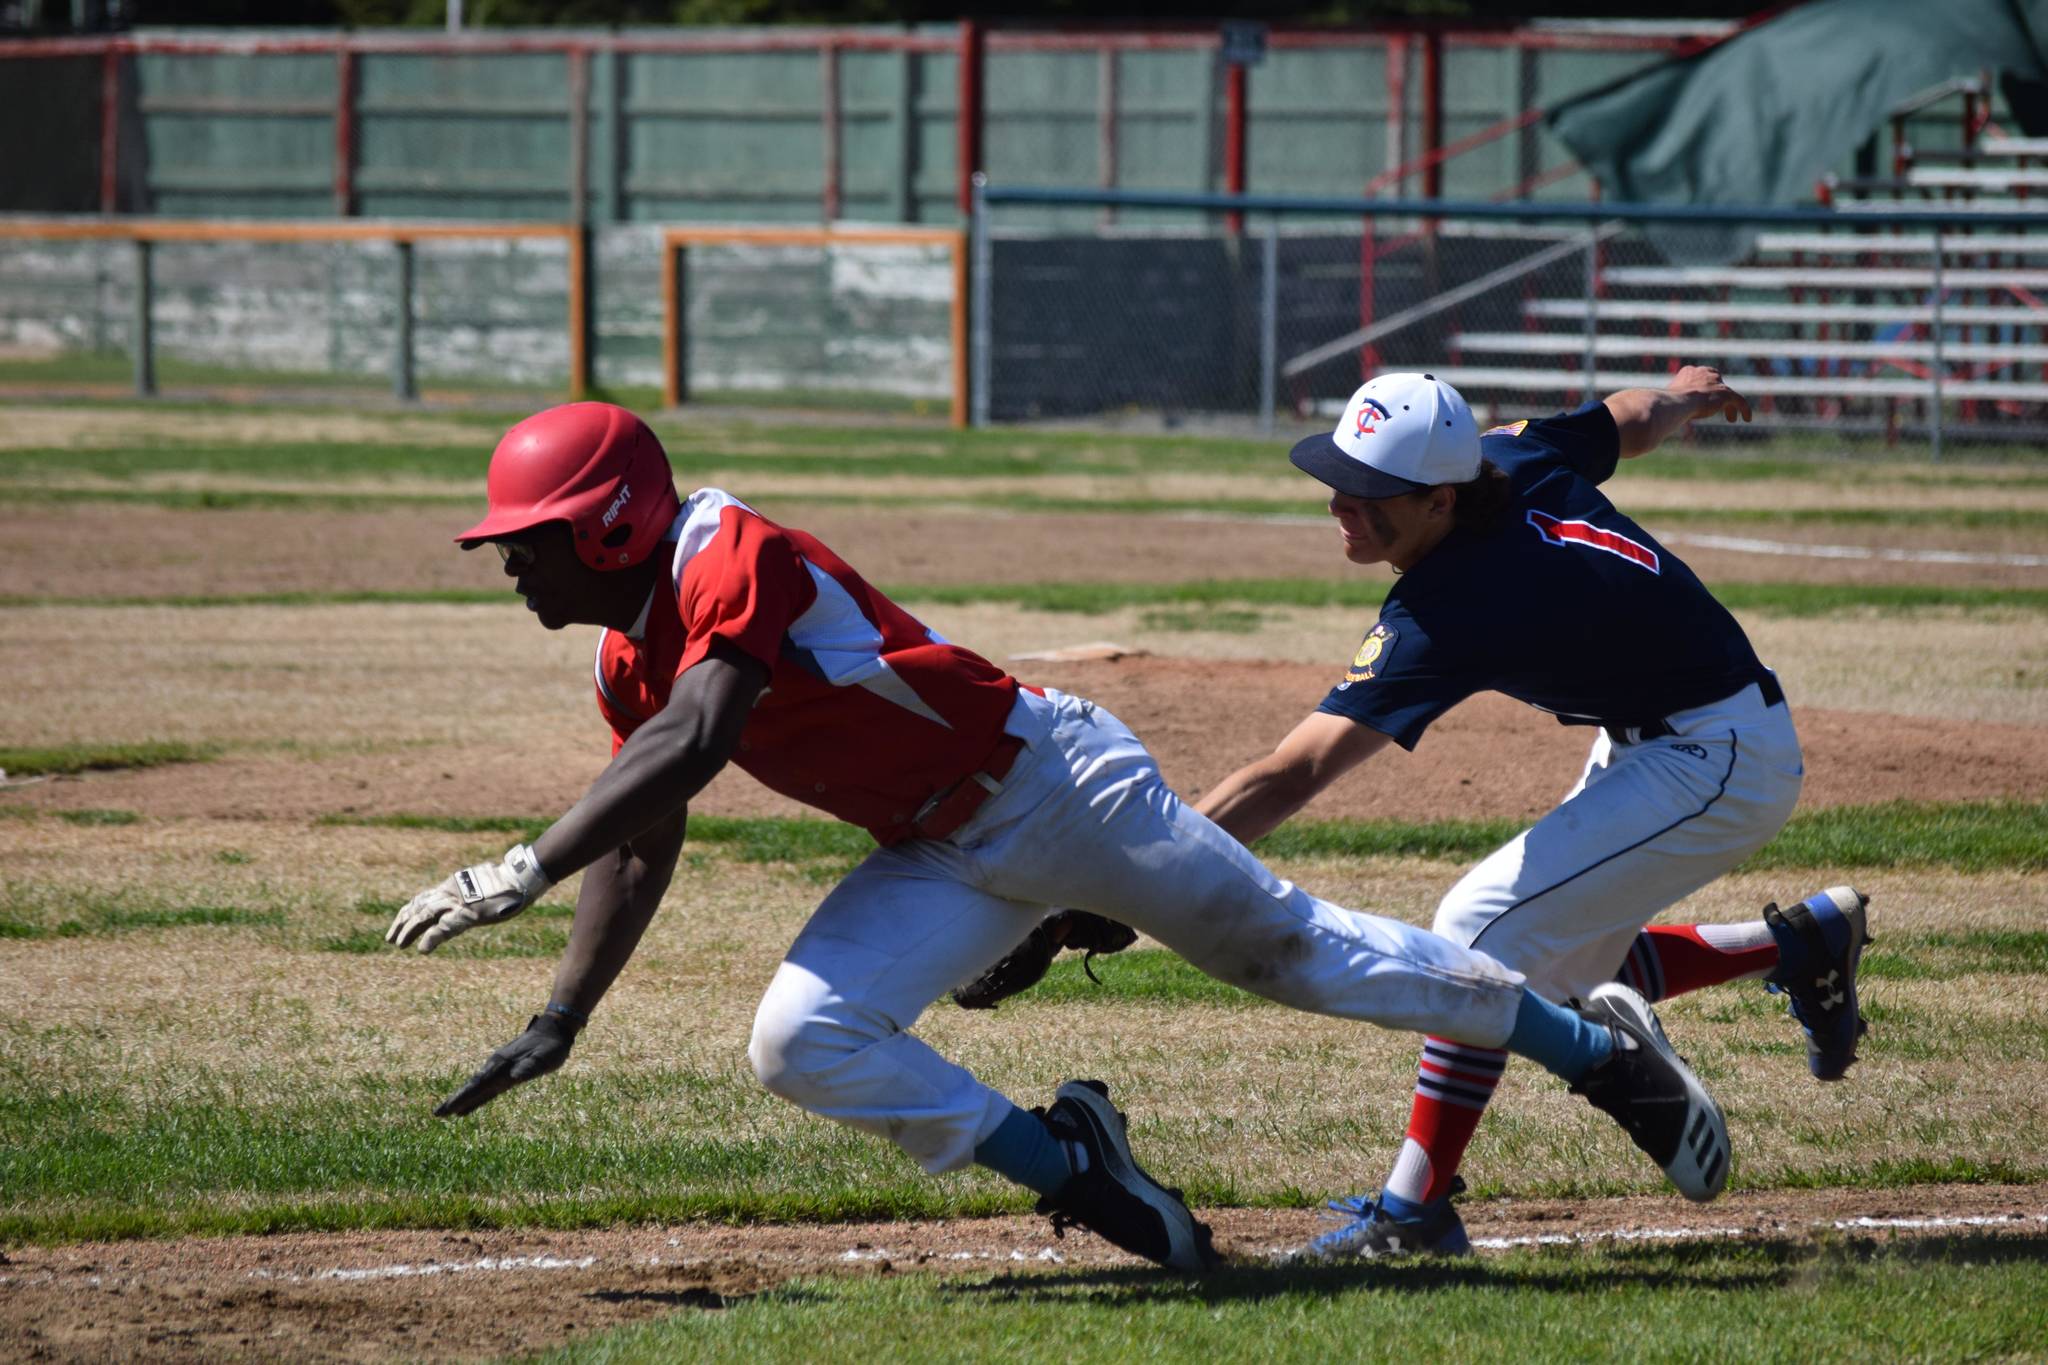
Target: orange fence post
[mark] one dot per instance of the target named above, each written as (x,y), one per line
(579,312)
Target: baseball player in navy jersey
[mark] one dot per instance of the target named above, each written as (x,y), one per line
(1517,575)
(729,638)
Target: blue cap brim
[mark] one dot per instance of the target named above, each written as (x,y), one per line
(1322,459)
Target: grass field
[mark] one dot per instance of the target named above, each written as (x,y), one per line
(255,700)
(1755,1302)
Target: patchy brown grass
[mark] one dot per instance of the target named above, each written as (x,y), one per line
(473,711)
(477,689)
(85,426)
(65,549)
(1255,1096)
(339,675)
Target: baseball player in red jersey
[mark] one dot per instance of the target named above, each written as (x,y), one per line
(1517,575)
(729,638)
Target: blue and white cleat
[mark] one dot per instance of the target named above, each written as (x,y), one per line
(1820,944)
(1369,1232)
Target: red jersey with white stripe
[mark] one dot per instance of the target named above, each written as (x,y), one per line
(867,714)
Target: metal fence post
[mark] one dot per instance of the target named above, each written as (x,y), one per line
(1269,324)
(102,283)
(1934,371)
(402,383)
(1592,308)
(145,330)
(984,289)
(675,302)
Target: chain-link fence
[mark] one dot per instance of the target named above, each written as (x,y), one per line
(1908,328)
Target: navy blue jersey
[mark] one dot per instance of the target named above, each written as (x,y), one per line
(1567,605)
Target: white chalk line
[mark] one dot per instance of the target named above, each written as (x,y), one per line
(1046,1254)
(1049,1255)
(1882,554)
(1793,549)
(405,1270)
(488,1264)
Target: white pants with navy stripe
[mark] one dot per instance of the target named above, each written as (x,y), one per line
(1082,820)
(1647,825)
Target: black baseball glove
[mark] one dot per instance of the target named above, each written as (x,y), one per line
(541,1049)
(1026,965)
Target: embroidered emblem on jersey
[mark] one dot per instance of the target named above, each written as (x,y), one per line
(1511,429)
(1365,663)
(1370,412)
(1566,533)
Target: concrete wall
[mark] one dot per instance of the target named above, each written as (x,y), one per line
(771,320)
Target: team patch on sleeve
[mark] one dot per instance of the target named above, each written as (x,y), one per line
(1366,663)
(1511,429)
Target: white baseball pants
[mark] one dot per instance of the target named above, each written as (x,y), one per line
(1647,825)
(1082,820)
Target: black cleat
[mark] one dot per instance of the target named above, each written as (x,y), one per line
(1114,1198)
(1648,1089)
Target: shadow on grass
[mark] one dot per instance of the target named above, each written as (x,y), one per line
(1965,1248)
(672,1298)
(1719,1266)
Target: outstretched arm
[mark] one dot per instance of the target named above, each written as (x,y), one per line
(665,762)
(620,894)
(649,782)
(1256,799)
(1646,418)
(627,830)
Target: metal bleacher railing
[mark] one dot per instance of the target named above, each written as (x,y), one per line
(1925,323)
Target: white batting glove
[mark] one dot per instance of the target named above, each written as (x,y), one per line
(485,894)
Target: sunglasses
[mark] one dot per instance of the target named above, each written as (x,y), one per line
(519,558)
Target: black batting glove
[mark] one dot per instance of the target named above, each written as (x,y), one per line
(541,1049)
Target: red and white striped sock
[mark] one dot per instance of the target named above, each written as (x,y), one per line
(1671,959)
(1453,1082)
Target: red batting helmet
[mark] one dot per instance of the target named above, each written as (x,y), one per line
(592,465)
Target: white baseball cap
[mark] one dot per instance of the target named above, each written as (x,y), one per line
(1399,433)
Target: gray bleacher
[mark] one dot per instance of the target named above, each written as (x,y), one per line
(1824,327)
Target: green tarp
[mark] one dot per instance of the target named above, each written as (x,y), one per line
(1760,118)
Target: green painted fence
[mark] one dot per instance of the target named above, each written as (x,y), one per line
(755,125)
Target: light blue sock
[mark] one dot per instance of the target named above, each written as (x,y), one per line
(1563,1042)
(1024,1149)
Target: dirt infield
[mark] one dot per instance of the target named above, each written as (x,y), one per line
(1878,722)
(64,549)
(445,1295)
